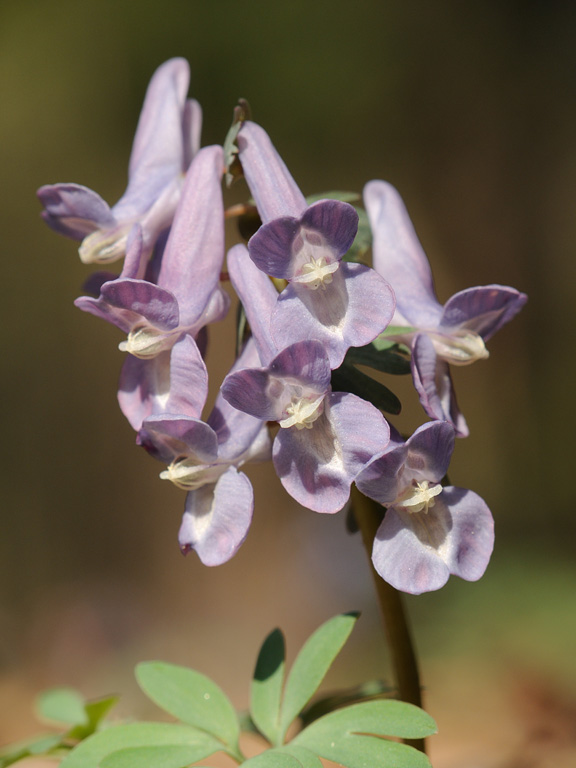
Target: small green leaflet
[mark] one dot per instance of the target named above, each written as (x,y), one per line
(90,753)
(266,690)
(349,736)
(347,378)
(192,698)
(62,705)
(169,756)
(311,665)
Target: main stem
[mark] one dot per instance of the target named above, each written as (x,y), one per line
(368,517)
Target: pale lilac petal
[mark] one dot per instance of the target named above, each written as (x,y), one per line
(398,255)
(276,247)
(416,552)
(240,436)
(158,148)
(317,466)
(171,436)
(74,210)
(471,540)
(401,556)
(194,253)
(272,187)
(192,129)
(217,518)
(380,479)
(265,392)
(433,383)
(430,449)
(156,304)
(258,296)
(175,381)
(352,311)
(484,309)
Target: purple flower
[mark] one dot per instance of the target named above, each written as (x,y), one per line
(186,297)
(325,438)
(438,336)
(203,459)
(428,531)
(337,303)
(167,137)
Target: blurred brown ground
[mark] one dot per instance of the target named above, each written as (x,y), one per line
(469,109)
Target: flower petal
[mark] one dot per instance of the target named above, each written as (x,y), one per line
(484,309)
(74,210)
(272,187)
(170,436)
(433,383)
(352,310)
(398,255)
(217,518)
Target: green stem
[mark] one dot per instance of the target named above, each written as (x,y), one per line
(368,516)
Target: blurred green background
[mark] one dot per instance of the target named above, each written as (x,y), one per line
(469,109)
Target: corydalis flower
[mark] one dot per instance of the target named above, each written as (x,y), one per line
(439,336)
(340,304)
(167,137)
(204,459)
(428,531)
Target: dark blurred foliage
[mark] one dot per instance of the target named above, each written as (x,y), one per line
(469,109)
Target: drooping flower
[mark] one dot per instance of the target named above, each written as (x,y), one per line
(338,303)
(439,336)
(428,531)
(167,137)
(186,296)
(204,459)
(325,437)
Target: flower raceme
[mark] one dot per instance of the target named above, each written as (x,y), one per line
(454,334)
(167,137)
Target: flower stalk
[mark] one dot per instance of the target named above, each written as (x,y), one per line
(398,636)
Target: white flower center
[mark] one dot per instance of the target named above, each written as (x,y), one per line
(418,496)
(302,412)
(460,347)
(146,342)
(317,273)
(103,247)
(187,474)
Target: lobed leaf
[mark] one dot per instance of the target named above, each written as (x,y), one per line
(169,756)
(266,690)
(285,757)
(386,359)
(349,736)
(191,697)
(90,753)
(311,665)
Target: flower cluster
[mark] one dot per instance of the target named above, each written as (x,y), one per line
(309,305)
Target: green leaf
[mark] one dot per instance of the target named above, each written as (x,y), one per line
(98,709)
(62,705)
(273,758)
(169,756)
(39,745)
(90,753)
(350,379)
(266,691)
(380,342)
(311,665)
(349,736)
(191,697)
(386,359)
(306,758)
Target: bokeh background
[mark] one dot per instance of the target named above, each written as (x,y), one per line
(469,109)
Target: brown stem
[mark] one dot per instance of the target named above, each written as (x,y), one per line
(368,516)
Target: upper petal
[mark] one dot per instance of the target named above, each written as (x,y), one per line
(272,187)
(398,255)
(483,309)
(74,210)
